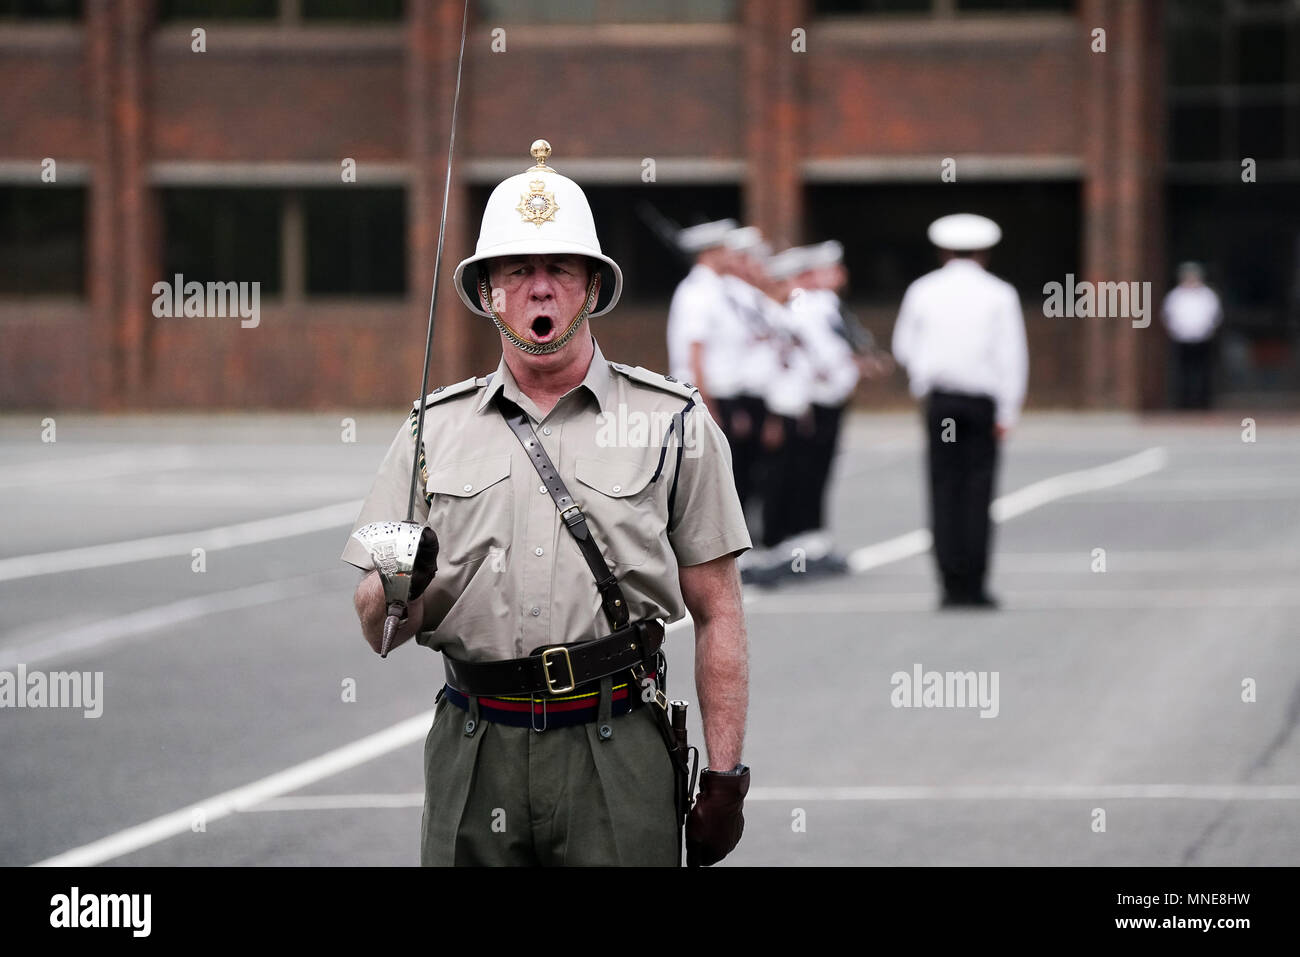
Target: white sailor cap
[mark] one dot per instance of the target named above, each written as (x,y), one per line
(789,263)
(747,239)
(964,232)
(696,239)
(824,254)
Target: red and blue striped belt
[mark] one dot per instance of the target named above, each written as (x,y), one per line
(543,711)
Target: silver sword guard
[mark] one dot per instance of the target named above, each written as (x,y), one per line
(392,547)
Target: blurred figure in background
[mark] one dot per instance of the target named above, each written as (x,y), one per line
(699,311)
(1192,314)
(754,358)
(821,361)
(961,336)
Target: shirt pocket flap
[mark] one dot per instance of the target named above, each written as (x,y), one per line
(615,479)
(466,479)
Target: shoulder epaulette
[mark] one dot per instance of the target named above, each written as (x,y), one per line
(448,391)
(654,379)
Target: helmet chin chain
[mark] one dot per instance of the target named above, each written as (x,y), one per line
(533,348)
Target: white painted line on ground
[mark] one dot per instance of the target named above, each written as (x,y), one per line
(1118,560)
(221,805)
(1283,596)
(905,792)
(1033,792)
(91,468)
(1074,483)
(138,624)
(180,543)
(169,825)
(1017,503)
(339,802)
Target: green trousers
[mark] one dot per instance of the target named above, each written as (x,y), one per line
(500,795)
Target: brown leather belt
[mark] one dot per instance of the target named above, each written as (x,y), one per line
(558,669)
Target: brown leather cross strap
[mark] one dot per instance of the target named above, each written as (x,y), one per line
(557,669)
(611,596)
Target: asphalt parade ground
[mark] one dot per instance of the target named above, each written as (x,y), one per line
(1137,694)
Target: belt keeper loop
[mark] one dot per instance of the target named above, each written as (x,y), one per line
(604,718)
(472,719)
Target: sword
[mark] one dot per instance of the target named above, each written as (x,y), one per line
(395,546)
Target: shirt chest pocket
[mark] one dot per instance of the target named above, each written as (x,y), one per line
(622,506)
(472,508)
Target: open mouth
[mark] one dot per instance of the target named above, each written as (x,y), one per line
(542,329)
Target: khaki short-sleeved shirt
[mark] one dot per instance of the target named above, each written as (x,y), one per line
(510,577)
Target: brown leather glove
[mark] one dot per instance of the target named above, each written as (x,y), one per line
(717,820)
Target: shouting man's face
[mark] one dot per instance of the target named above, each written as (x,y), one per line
(538,296)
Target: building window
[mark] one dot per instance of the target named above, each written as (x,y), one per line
(606,11)
(223,235)
(284,10)
(42,241)
(355,242)
(939,7)
(1233,84)
(40,9)
(218,9)
(309,242)
(882,227)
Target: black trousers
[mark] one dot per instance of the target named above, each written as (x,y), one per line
(1195,366)
(963,463)
(741,420)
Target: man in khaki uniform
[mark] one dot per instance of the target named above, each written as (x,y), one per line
(562,775)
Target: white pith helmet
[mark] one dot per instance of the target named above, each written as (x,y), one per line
(538,212)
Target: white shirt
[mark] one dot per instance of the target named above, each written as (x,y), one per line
(696,304)
(835,371)
(788,386)
(961,329)
(756,355)
(1192,313)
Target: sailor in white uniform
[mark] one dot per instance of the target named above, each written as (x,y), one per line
(699,316)
(961,336)
(1192,314)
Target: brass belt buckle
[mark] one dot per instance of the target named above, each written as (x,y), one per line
(546,670)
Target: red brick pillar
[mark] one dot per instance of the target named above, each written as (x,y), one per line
(137,202)
(104,248)
(1123,192)
(773,81)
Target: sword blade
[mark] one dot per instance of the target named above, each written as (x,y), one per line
(437,264)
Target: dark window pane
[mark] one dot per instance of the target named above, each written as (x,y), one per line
(1034,6)
(352,9)
(606,11)
(1195,56)
(40,9)
(1261,53)
(1261,131)
(355,241)
(223,235)
(42,240)
(843,7)
(1195,133)
(219,9)
(882,227)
